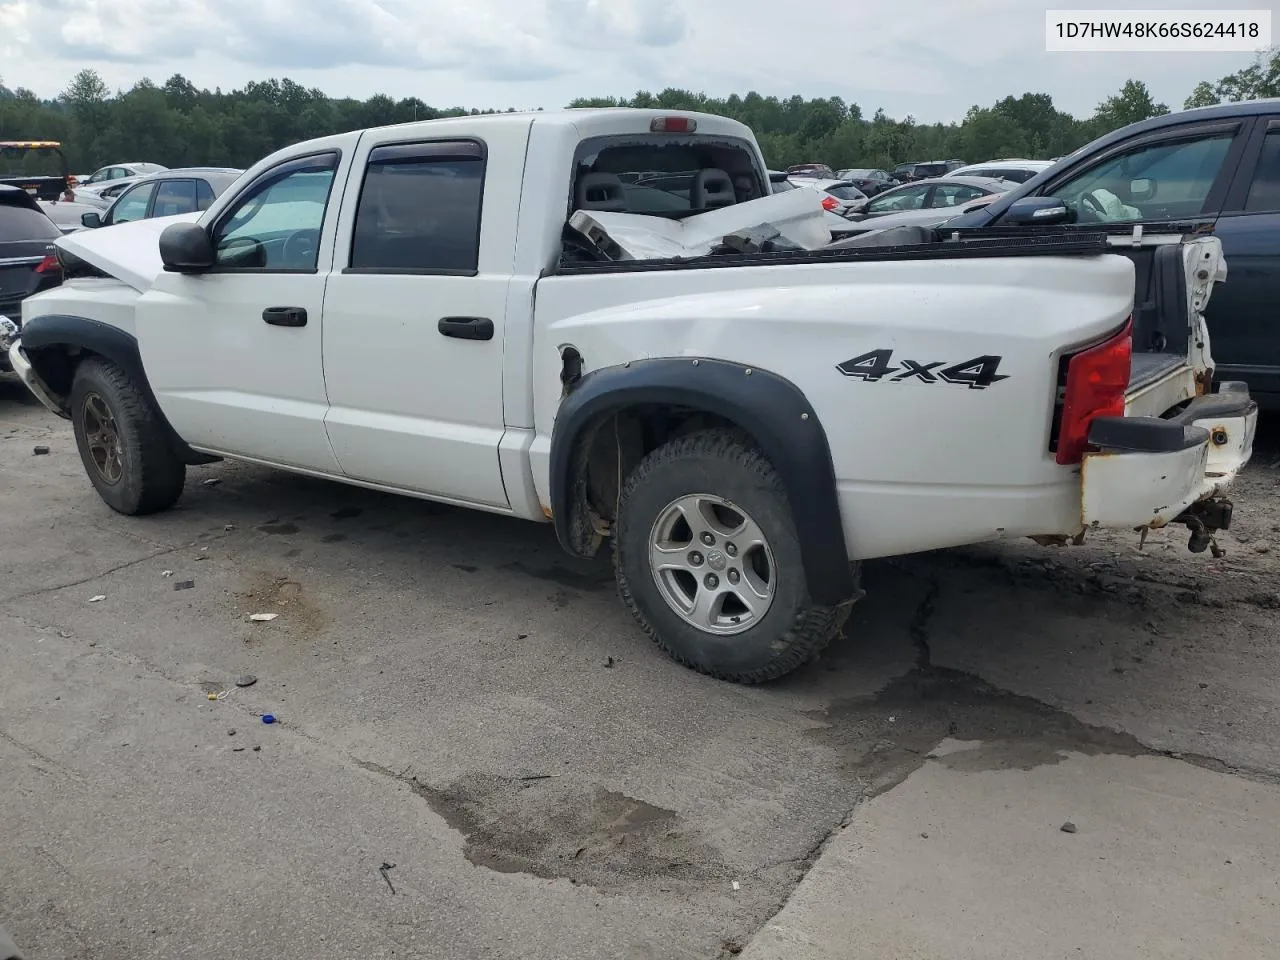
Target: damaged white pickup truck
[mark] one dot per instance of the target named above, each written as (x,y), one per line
(600,318)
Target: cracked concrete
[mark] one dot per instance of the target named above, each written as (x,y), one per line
(456,698)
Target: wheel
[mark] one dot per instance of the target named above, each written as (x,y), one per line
(708,561)
(122,441)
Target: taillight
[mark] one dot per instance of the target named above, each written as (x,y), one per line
(49,264)
(1097,379)
(829,202)
(673,125)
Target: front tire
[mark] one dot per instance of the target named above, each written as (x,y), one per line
(122,441)
(708,561)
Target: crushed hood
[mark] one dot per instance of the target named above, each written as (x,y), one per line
(130,252)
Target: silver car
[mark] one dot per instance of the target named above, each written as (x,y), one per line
(183,190)
(928,202)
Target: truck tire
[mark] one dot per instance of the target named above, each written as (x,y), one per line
(122,441)
(708,561)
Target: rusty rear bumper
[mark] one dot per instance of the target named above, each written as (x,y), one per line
(1152,471)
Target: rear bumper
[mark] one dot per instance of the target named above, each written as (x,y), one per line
(1149,471)
(27,374)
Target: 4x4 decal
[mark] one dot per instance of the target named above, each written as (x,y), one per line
(876,365)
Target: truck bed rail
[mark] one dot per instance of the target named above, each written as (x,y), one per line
(1056,244)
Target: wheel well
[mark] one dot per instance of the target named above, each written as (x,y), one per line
(610,446)
(56,364)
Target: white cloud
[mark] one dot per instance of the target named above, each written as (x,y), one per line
(932,59)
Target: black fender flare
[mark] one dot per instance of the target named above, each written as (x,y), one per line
(769,407)
(51,331)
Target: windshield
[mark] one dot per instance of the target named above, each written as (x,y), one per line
(845,192)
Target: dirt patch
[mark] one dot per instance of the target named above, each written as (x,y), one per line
(267,593)
(279,529)
(559,828)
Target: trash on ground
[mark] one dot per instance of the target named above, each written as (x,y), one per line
(101,596)
(736,885)
(609,662)
(229,526)
(39,450)
(184,585)
(384,870)
(268,718)
(231,732)
(246,680)
(1068,827)
(262,617)
(166,573)
(211,482)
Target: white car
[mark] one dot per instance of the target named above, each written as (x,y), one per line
(102,186)
(407,309)
(1014,171)
(839,196)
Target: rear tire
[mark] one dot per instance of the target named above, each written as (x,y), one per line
(708,561)
(122,441)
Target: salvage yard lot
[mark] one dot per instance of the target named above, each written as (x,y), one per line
(460,704)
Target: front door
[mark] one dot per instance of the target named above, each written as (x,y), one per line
(415,313)
(233,354)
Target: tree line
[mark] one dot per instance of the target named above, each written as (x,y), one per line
(178,124)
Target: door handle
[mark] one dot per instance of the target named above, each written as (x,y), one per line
(467,328)
(285,316)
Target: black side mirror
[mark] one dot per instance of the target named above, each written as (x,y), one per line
(1031,211)
(186,248)
(91,220)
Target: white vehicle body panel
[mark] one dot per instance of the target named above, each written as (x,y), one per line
(918,466)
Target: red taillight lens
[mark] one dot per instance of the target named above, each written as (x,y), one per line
(1096,382)
(49,264)
(673,125)
(830,203)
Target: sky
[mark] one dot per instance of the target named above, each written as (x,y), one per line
(933,60)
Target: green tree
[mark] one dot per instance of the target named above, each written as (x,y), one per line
(1133,103)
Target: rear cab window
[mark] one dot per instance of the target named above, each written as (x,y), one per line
(666,175)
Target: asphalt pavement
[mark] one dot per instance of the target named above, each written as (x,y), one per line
(476,754)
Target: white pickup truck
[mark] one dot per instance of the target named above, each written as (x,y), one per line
(405,309)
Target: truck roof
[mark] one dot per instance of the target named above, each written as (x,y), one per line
(590,121)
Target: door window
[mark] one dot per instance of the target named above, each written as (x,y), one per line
(276,224)
(1264,192)
(204,195)
(953,195)
(174,197)
(419,210)
(1162,180)
(133,204)
(908,198)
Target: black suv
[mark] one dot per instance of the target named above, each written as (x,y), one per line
(27,263)
(1212,170)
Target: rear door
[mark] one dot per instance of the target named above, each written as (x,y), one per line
(1244,314)
(415,312)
